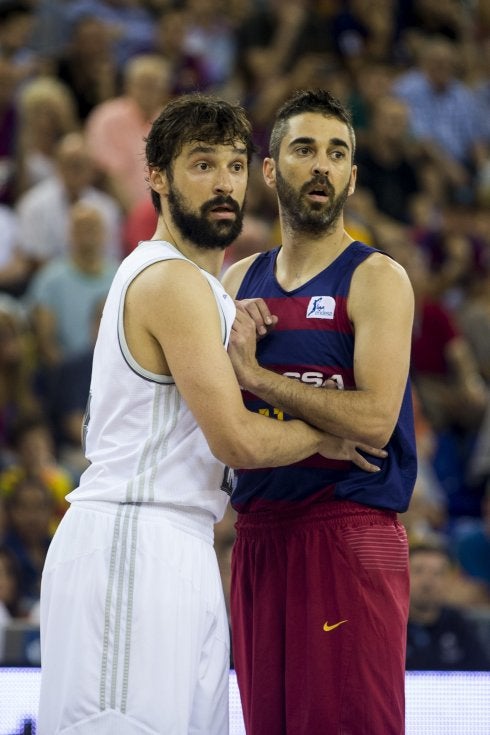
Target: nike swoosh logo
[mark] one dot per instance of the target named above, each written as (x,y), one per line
(328,627)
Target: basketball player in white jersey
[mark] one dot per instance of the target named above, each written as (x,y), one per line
(134,631)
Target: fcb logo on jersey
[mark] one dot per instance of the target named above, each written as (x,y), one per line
(321,307)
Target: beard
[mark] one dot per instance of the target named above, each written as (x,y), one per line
(315,218)
(198,228)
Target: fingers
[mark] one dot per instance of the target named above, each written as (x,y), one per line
(258,310)
(382,453)
(243,325)
(363,463)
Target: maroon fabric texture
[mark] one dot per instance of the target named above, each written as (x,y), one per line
(319,604)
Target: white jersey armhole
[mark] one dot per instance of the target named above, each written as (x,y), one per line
(123,345)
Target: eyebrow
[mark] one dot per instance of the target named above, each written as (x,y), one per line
(200,148)
(309,141)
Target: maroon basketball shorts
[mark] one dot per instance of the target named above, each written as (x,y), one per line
(319,604)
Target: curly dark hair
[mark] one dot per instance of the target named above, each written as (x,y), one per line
(308,100)
(195,117)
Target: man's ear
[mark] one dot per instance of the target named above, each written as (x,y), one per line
(352,183)
(269,172)
(158,181)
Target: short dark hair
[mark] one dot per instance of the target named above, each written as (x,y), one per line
(194,117)
(308,100)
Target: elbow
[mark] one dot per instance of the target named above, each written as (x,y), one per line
(235,453)
(379,431)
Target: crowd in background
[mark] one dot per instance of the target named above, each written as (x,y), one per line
(80,83)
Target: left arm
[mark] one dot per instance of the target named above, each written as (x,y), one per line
(380,307)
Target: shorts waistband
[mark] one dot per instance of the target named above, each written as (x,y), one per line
(191,520)
(336,513)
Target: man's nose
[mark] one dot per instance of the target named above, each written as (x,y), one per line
(320,167)
(223,183)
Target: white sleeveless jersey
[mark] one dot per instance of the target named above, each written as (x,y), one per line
(140,437)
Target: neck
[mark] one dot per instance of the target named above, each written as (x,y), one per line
(91,266)
(210,260)
(302,256)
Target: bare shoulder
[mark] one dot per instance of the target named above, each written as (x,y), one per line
(165,277)
(380,283)
(166,288)
(233,277)
(381,272)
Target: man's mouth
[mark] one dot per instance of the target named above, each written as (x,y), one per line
(318,192)
(222,211)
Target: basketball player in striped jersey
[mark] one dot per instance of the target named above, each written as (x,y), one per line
(134,632)
(319,591)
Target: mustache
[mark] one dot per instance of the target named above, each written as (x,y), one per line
(220,201)
(321,181)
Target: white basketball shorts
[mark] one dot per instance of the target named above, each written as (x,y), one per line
(134,632)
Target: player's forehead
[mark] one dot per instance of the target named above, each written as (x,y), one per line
(317,127)
(196,148)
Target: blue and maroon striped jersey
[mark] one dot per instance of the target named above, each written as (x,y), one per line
(314,341)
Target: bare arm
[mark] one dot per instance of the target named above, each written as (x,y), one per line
(180,335)
(381,310)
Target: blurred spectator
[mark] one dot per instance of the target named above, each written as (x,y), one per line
(139,224)
(29,509)
(444,369)
(9,591)
(272,37)
(33,449)
(209,37)
(43,210)
(452,392)
(439,636)
(87,64)
(63,294)
(365,31)
(427,512)
(387,164)
(479,464)
(455,253)
(481,86)
(474,321)
(447,18)
(8,130)
(372,82)
(444,116)
(68,399)
(472,543)
(116,129)
(130,24)
(282,46)
(17,393)
(16,25)
(14,266)
(187,72)
(9,584)
(47,113)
